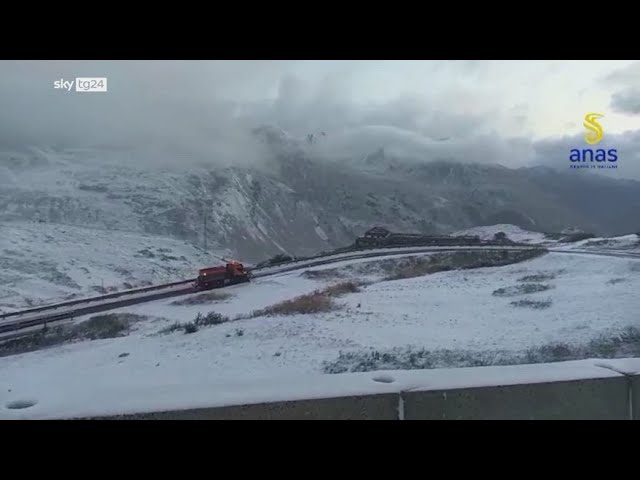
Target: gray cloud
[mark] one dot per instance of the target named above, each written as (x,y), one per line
(628,76)
(169,107)
(183,111)
(410,146)
(626,101)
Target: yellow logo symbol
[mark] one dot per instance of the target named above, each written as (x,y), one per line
(594,135)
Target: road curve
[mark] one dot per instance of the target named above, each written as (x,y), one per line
(48,314)
(29,318)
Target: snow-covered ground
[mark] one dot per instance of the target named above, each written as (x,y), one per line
(629,243)
(48,263)
(513,232)
(589,296)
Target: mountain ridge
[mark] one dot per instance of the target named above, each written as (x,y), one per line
(297,202)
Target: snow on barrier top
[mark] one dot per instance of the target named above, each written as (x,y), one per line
(72,397)
(625,366)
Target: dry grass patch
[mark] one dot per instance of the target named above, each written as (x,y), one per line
(316,302)
(342,288)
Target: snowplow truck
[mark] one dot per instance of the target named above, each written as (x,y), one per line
(216,277)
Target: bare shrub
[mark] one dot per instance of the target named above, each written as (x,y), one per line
(536,304)
(211,318)
(190,328)
(315,302)
(538,277)
(521,289)
(620,345)
(110,325)
(97,327)
(342,288)
(171,328)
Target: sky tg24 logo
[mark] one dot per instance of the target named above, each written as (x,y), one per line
(82,84)
(579,157)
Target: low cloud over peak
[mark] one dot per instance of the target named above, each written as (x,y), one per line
(489,112)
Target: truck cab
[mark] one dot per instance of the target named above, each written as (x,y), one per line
(216,277)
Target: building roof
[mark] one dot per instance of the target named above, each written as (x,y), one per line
(376,230)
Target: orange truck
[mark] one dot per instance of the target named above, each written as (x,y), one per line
(216,277)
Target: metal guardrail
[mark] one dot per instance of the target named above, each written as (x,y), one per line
(347,250)
(41,320)
(108,296)
(321,260)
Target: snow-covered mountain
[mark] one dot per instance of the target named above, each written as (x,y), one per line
(297,201)
(512,232)
(47,263)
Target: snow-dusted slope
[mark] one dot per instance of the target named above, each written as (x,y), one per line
(588,296)
(291,200)
(44,263)
(513,232)
(625,242)
(630,243)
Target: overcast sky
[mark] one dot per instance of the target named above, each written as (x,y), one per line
(511,112)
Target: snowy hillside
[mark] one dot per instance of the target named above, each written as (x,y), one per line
(513,232)
(294,201)
(630,243)
(44,263)
(491,313)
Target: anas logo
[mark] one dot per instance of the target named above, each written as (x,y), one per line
(594,129)
(593,135)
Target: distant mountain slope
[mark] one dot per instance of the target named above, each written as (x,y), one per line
(296,203)
(44,263)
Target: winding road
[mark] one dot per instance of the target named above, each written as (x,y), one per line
(24,322)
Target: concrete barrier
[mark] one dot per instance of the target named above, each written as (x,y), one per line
(383,406)
(630,368)
(584,389)
(584,399)
(634,394)
(591,399)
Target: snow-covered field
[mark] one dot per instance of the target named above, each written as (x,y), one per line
(514,233)
(48,263)
(589,296)
(628,243)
